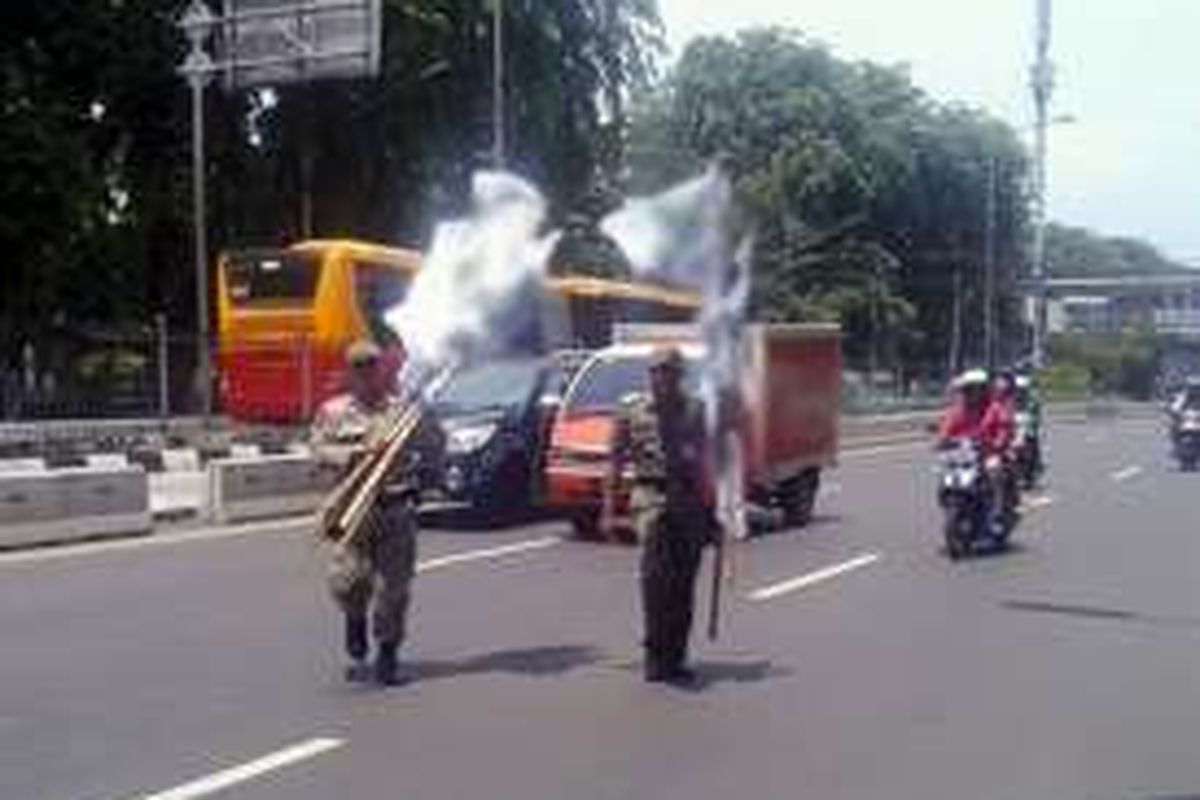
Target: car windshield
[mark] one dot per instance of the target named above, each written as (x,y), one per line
(601,387)
(492,386)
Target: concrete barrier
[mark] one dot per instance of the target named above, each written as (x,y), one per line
(885,429)
(266,486)
(42,506)
(22,465)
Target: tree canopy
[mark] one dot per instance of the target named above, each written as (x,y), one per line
(874,203)
(1079,252)
(870,197)
(94,138)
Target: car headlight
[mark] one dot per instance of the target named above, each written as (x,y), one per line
(469,438)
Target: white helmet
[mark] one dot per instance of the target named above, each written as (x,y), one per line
(972,378)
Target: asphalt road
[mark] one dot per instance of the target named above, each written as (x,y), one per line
(856,662)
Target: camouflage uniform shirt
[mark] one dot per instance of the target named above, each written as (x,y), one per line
(665,452)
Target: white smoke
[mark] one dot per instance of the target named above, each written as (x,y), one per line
(481,280)
(685,236)
(478,282)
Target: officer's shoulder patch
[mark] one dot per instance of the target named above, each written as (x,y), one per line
(634,401)
(337,405)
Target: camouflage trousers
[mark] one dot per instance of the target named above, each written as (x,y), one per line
(375,577)
(672,546)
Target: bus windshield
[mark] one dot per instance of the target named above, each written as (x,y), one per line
(277,278)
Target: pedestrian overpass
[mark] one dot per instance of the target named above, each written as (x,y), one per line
(1169,303)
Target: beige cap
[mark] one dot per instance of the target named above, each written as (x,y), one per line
(362,352)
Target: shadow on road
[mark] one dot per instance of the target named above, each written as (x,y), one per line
(1082,611)
(465,519)
(533,662)
(1012,549)
(712,673)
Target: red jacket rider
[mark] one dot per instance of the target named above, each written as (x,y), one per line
(987,417)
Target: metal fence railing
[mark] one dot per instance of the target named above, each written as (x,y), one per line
(97,375)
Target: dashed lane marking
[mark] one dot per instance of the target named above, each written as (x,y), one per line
(242,773)
(812,578)
(488,553)
(851,452)
(59,552)
(1122,475)
(1038,502)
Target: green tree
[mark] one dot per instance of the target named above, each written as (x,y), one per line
(1079,252)
(94,143)
(868,195)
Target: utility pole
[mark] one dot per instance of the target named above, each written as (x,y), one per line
(989,269)
(1042,84)
(956,325)
(197,24)
(498,155)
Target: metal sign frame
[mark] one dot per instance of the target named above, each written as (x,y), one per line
(275,42)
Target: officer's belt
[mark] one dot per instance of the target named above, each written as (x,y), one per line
(397,493)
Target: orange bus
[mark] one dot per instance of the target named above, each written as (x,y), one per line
(286,316)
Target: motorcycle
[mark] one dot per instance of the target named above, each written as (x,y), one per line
(967,498)
(1028,452)
(1187,440)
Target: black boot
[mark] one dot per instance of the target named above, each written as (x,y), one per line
(356,637)
(387,671)
(356,648)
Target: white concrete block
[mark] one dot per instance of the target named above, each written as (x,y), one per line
(181,459)
(244,451)
(30,497)
(72,504)
(267,486)
(21,465)
(107,460)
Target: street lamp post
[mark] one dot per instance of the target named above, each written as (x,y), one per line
(989,268)
(498,157)
(1042,83)
(197,24)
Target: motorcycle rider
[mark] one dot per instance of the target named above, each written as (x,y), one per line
(984,414)
(1028,404)
(1186,399)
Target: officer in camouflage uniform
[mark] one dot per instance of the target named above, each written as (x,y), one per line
(661,438)
(371,580)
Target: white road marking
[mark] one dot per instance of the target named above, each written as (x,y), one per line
(487,553)
(852,452)
(1034,503)
(57,552)
(1125,474)
(829,489)
(219,781)
(297,524)
(812,578)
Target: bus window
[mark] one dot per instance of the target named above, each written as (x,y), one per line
(379,288)
(265,278)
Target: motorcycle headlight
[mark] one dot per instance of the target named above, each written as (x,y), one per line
(469,438)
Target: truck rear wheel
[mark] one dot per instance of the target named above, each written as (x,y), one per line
(586,525)
(798,497)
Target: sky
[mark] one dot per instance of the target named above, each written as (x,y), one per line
(1128,74)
